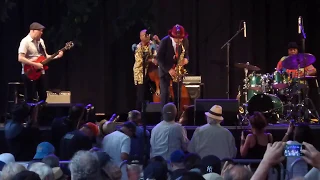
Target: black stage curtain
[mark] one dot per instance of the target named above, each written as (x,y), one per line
(100,70)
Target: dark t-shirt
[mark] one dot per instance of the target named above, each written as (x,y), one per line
(22,141)
(73,142)
(59,128)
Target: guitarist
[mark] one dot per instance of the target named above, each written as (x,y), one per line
(31,47)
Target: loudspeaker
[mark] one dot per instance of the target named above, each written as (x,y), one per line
(194,92)
(153,113)
(230,109)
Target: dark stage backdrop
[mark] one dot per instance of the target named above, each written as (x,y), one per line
(99,70)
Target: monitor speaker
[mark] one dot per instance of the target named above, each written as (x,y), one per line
(230,109)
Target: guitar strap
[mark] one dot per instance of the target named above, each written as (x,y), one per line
(41,50)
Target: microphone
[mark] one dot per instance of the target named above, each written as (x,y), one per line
(299,25)
(244,29)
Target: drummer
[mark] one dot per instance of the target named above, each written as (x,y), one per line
(293,50)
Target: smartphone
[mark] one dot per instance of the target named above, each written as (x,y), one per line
(293,150)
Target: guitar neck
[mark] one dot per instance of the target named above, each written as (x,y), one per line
(52,57)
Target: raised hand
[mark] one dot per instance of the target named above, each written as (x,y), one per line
(311,155)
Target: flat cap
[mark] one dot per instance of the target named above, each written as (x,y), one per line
(36,26)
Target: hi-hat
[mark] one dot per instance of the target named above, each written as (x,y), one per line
(293,61)
(247,66)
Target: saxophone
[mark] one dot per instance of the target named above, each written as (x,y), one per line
(179,69)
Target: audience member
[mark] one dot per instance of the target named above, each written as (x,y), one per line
(177,164)
(138,144)
(155,170)
(191,176)
(117,145)
(134,169)
(301,133)
(212,176)
(6,158)
(21,140)
(10,170)
(26,175)
(212,138)
(43,170)
(43,149)
(210,164)
(105,127)
(53,162)
(168,136)
(61,126)
(272,156)
(238,172)
(78,140)
(192,162)
(255,144)
(85,165)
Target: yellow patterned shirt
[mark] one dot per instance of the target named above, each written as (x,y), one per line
(138,55)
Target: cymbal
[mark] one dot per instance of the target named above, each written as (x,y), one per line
(247,66)
(304,59)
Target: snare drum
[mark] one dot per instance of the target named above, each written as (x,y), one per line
(280,80)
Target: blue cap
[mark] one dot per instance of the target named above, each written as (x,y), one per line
(44,149)
(177,156)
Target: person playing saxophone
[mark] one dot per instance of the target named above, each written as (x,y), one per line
(146,49)
(173,51)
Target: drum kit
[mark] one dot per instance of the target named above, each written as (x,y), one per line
(279,96)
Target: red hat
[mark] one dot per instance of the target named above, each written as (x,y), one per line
(94,128)
(177,31)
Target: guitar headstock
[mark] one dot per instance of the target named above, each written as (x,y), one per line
(69,45)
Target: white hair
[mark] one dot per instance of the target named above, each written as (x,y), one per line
(44,171)
(212,121)
(11,169)
(84,165)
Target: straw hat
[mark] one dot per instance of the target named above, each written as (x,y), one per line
(215,113)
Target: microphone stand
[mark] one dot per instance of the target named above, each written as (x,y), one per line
(178,88)
(228,60)
(144,107)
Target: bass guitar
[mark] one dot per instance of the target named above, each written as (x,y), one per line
(32,73)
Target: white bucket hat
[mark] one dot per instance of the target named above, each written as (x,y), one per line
(215,113)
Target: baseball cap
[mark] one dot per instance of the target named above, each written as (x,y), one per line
(36,26)
(131,126)
(44,149)
(93,127)
(177,156)
(169,112)
(210,164)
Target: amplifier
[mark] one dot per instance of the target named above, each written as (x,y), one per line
(62,97)
(192,80)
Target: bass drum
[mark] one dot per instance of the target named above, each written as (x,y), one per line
(268,104)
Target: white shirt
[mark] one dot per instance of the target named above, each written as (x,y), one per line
(174,44)
(213,140)
(167,137)
(114,144)
(31,49)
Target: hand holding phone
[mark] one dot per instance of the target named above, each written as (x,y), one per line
(293,150)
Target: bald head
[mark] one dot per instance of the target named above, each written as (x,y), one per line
(238,172)
(169,112)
